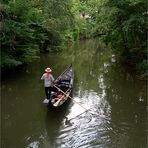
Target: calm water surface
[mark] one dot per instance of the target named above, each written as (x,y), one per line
(117,101)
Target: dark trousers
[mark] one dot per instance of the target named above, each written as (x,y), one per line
(48,92)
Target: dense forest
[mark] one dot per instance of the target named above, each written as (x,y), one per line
(29,27)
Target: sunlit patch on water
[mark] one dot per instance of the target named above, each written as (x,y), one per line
(77,109)
(85,126)
(113,58)
(141,99)
(34,144)
(35,141)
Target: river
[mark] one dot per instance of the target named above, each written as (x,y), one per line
(117,101)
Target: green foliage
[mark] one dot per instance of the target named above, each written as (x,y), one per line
(17,38)
(124,25)
(8,61)
(57,19)
(143,68)
(31,26)
(84,14)
(28,25)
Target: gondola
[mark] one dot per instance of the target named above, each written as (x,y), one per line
(62,88)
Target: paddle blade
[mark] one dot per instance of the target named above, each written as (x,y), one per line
(57,103)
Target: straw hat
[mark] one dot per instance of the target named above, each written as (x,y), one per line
(48,69)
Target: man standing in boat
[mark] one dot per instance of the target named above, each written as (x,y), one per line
(48,82)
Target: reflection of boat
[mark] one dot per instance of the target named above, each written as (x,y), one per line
(65,83)
(55,118)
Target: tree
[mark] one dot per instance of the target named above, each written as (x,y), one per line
(124,25)
(17,37)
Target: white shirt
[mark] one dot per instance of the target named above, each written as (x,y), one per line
(47,80)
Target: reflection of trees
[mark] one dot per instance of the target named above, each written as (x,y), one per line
(89,63)
(127,97)
(87,58)
(120,84)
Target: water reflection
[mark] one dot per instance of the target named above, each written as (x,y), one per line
(54,118)
(128,114)
(115,99)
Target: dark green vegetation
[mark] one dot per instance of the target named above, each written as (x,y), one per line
(33,26)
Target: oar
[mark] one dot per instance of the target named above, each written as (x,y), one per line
(60,99)
(70,97)
(57,103)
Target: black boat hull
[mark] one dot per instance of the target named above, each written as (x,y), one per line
(63,88)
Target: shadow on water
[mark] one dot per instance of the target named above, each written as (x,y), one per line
(55,118)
